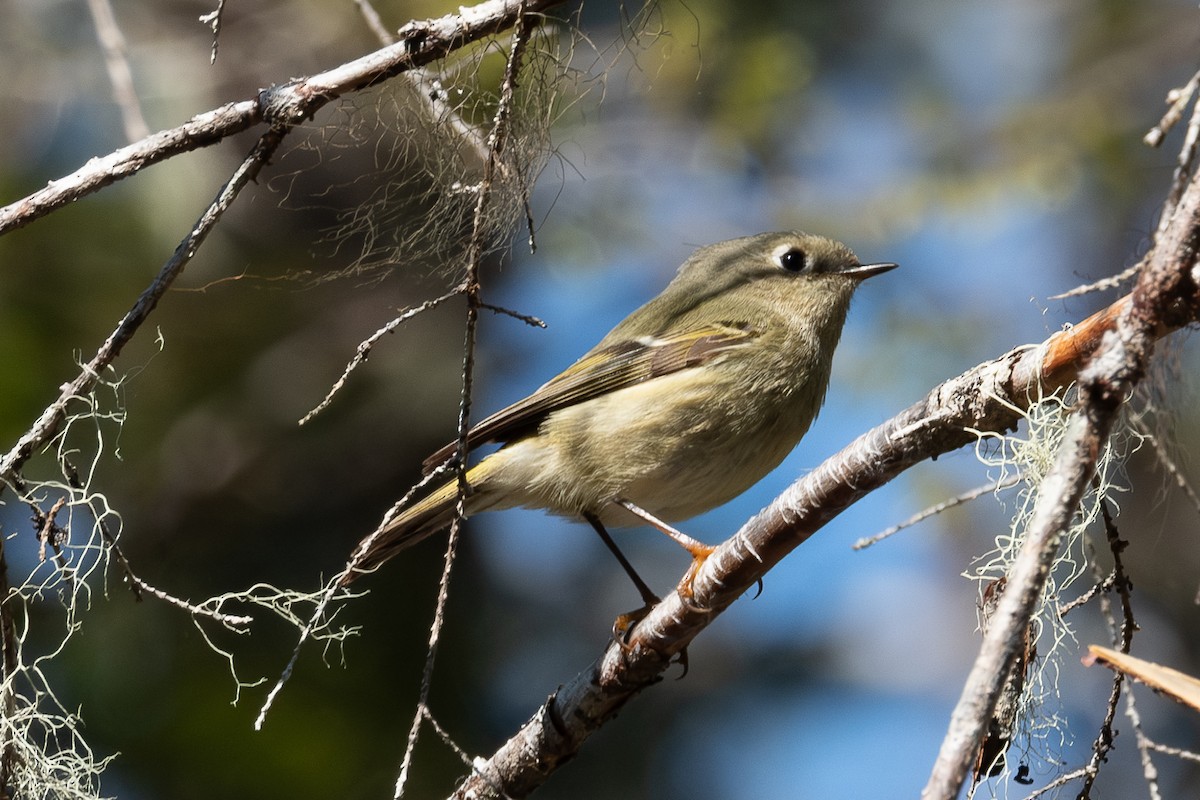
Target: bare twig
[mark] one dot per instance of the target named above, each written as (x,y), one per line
(419,43)
(477,248)
(213,20)
(45,532)
(1061,780)
(1111,372)
(526,318)
(1103,585)
(1187,158)
(1169,465)
(232,621)
(1149,771)
(1101,285)
(375,22)
(11,661)
(1124,638)
(423,711)
(364,350)
(937,508)
(116,61)
(333,590)
(1177,101)
(1178,752)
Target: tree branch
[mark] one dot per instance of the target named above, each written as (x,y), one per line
(988,397)
(1110,375)
(418,44)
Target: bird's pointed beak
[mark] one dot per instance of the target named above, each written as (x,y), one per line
(864,271)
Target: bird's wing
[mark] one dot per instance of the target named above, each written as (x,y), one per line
(603,370)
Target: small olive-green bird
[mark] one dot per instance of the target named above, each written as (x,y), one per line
(684,405)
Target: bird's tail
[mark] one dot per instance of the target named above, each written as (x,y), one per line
(428,516)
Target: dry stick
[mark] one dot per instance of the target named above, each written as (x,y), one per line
(53,417)
(365,347)
(55,414)
(375,22)
(497,140)
(1112,372)
(1058,498)
(1184,162)
(116,61)
(1177,100)
(1104,741)
(995,487)
(420,43)
(213,20)
(11,662)
(987,397)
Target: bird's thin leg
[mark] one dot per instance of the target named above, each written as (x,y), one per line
(624,622)
(648,596)
(698,550)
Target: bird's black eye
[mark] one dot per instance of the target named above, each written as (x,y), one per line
(793,260)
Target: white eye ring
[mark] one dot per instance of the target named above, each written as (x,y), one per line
(790,257)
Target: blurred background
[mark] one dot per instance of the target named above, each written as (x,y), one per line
(993,150)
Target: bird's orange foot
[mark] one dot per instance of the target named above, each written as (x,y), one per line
(625,622)
(700,553)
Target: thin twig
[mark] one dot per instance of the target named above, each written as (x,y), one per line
(1113,370)
(420,43)
(1178,752)
(435,632)
(213,20)
(1101,285)
(45,532)
(1183,167)
(333,590)
(1123,637)
(1177,101)
(364,350)
(447,739)
(116,61)
(375,22)
(476,250)
(1170,466)
(232,621)
(1061,780)
(526,318)
(938,508)
(1103,585)
(1149,771)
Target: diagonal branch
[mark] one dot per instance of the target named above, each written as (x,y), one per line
(1107,380)
(418,44)
(990,397)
